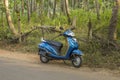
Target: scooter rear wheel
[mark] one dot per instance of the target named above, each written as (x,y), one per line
(44,59)
(76,61)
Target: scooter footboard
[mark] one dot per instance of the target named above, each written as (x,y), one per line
(77,52)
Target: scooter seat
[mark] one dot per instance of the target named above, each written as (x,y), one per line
(56,45)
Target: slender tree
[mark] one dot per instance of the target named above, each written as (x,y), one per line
(2,16)
(62,6)
(85,4)
(72,3)
(67,11)
(28,10)
(97,9)
(54,8)
(35,6)
(89,29)
(41,11)
(22,6)
(18,21)
(112,35)
(31,6)
(2,13)
(14,10)
(9,20)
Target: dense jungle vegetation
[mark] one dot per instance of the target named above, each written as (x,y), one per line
(97,24)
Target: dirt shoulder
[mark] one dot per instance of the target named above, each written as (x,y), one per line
(19,56)
(34,58)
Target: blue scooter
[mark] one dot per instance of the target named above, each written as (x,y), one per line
(50,50)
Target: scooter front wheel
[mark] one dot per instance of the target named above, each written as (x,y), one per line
(44,59)
(76,61)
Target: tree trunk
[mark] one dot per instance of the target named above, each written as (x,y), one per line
(28,10)
(19,22)
(74,22)
(2,16)
(89,29)
(62,6)
(9,20)
(118,2)
(67,11)
(31,6)
(79,5)
(14,5)
(14,11)
(22,6)
(2,13)
(54,9)
(41,11)
(112,35)
(73,4)
(97,9)
(35,6)
(85,5)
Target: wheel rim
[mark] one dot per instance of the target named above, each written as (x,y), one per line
(44,59)
(77,61)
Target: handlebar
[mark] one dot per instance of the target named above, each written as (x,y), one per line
(61,33)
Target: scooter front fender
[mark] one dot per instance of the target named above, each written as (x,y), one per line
(77,52)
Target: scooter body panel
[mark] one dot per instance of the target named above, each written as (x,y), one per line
(73,49)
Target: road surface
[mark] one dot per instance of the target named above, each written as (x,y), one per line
(16,69)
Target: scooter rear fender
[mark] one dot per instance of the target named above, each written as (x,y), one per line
(47,48)
(42,51)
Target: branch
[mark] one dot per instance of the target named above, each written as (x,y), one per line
(24,35)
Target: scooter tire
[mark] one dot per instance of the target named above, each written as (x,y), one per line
(77,61)
(44,59)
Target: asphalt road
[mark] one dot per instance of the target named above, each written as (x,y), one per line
(13,69)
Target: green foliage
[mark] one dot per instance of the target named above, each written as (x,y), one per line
(82,17)
(5,33)
(96,59)
(118,27)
